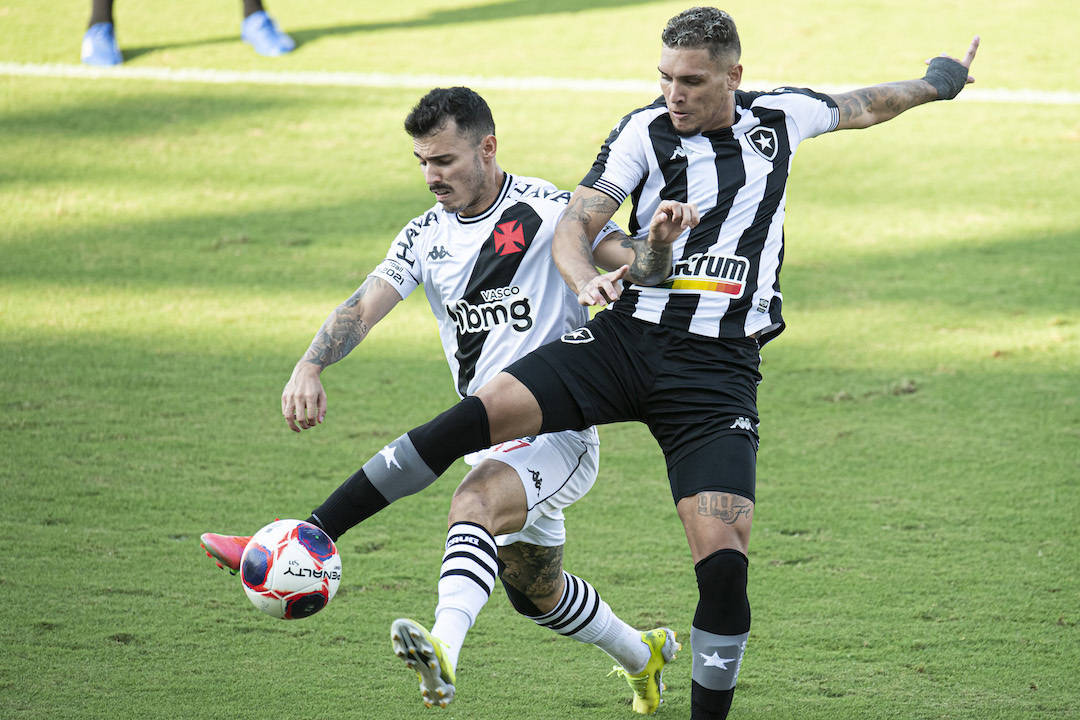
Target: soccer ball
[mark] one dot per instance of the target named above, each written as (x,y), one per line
(290,569)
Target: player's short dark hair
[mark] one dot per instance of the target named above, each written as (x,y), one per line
(465,106)
(703,27)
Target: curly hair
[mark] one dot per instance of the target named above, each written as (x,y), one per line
(465,106)
(703,27)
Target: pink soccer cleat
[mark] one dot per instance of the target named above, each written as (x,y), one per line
(225,550)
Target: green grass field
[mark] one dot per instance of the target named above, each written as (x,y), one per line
(167,250)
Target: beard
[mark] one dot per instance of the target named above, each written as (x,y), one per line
(472,190)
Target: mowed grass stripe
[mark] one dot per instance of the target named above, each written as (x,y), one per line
(478,82)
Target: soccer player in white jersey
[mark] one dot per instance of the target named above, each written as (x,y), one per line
(483,255)
(679,348)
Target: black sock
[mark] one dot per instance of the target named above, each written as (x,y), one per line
(460,430)
(706,704)
(101,11)
(355,500)
(254,6)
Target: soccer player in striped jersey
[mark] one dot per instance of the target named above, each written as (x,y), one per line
(713,300)
(679,348)
(483,255)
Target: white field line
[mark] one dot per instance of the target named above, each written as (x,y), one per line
(391,80)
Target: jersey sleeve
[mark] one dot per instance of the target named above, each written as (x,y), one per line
(813,113)
(610,227)
(401,266)
(621,164)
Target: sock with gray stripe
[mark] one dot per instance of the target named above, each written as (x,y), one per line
(719,633)
(469,568)
(406,466)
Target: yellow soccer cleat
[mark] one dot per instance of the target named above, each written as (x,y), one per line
(425,654)
(648,685)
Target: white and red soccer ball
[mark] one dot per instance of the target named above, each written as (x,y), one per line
(290,569)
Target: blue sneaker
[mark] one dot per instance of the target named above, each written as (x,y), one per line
(99,46)
(261,32)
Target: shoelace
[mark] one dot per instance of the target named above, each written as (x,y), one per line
(640,683)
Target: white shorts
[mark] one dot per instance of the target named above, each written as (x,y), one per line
(556,470)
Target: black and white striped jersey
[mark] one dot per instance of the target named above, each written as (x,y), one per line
(725,273)
(490,279)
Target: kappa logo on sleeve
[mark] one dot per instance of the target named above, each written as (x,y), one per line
(578,337)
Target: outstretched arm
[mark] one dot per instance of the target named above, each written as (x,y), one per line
(868,106)
(303,401)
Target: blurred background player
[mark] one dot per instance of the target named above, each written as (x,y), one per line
(483,254)
(258,29)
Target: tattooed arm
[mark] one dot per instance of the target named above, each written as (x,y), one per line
(303,401)
(872,105)
(571,247)
(875,104)
(645,260)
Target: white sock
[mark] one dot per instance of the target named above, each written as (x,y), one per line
(469,568)
(450,626)
(583,615)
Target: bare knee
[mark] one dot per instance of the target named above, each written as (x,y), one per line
(491,496)
(472,505)
(716,521)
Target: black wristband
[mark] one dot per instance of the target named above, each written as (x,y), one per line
(947,76)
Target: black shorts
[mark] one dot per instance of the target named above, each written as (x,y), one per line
(697,395)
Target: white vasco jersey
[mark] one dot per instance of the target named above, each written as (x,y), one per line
(725,279)
(490,279)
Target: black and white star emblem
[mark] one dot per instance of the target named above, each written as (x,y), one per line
(578,337)
(763,140)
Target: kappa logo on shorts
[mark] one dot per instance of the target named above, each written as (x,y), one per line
(578,337)
(742,424)
(763,140)
(537,480)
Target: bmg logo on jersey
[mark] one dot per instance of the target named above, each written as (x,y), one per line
(501,306)
(707,271)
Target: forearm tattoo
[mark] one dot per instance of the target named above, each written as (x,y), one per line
(729,508)
(583,211)
(341,332)
(651,266)
(879,103)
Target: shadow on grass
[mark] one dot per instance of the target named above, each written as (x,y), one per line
(149,112)
(475,13)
